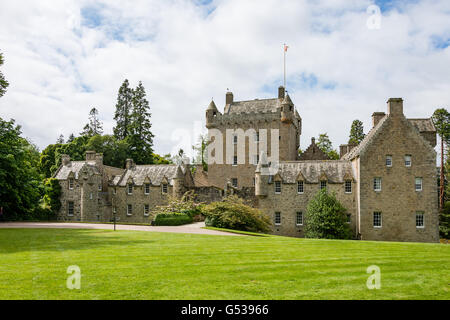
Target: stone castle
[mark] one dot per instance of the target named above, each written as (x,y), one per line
(387,183)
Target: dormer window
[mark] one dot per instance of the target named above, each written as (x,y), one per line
(164,188)
(147,188)
(277,187)
(300,187)
(130,188)
(71,184)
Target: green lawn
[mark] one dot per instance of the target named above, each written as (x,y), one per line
(148,265)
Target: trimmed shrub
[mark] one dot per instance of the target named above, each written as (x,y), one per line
(326,218)
(233,213)
(172,219)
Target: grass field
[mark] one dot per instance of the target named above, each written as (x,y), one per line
(148,265)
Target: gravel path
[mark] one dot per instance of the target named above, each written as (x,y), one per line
(194,228)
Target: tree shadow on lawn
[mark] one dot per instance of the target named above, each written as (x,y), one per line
(23,240)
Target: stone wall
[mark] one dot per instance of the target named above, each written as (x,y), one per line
(289,202)
(398,201)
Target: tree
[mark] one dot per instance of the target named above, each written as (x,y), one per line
(19,178)
(165,159)
(441,120)
(123,111)
(60,140)
(71,138)
(52,195)
(94,127)
(200,148)
(233,213)
(326,218)
(324,144)
(140,136)
(356,132)
(115,152)
(3,83)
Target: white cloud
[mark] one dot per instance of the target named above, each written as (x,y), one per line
(60,64)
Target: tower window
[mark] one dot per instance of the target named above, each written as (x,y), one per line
(377,184)
(408,161)
(388,161)
(419,183)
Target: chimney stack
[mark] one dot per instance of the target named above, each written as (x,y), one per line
(65,159)
(395,106)
(376,117)
(229,98)
(90,155)
(281,92)
(129,163)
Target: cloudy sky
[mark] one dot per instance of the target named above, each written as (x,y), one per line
(64,57)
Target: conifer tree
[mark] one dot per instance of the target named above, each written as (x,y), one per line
(3,83)
(140,137)
(60,140)
(71,138)
(94,127)
(356,132)
(123,111)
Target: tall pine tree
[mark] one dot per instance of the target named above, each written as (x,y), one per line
(356,132)
(94,127)
(124,107)
(140,137)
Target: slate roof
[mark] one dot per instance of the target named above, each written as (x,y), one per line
(155,173)
(423,125)
(336,171)
(75,167)
(257,106)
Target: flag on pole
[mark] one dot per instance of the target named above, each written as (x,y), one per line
(285,48)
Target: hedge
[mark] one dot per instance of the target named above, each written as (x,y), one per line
(172,219)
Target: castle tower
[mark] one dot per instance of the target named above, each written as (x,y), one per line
(247,128)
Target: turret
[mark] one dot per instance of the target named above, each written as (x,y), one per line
(287,110)
(211,114)
(262,176)
(178,183)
